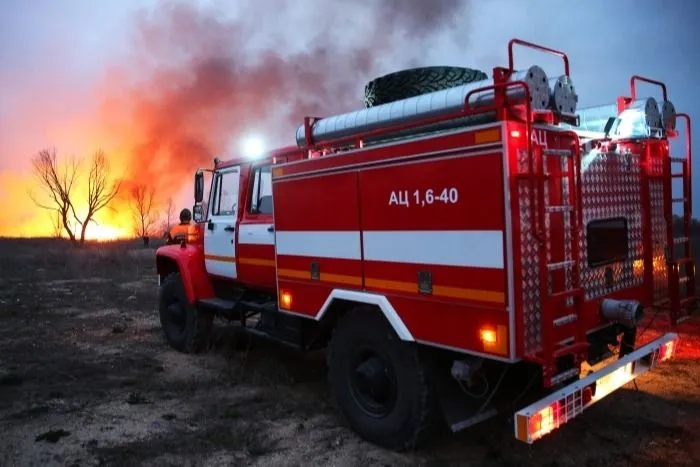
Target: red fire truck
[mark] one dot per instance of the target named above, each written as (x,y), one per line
(478,248)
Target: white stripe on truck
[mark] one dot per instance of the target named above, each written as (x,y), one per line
(461,248)
(341,245)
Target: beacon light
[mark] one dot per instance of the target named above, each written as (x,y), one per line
(253,147)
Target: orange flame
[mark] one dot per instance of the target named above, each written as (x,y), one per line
(194,84)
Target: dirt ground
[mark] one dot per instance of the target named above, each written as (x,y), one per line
(86,378)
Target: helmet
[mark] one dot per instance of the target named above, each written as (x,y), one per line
(185,216)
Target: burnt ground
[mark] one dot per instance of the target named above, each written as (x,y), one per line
(86,378)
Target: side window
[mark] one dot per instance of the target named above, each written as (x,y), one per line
(214,196)
(261,194)
(225,196)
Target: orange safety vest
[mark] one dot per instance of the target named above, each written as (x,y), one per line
(179,233)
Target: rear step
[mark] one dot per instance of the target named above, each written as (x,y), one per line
(561,406)
(564,376)
(557,152)
(570,318)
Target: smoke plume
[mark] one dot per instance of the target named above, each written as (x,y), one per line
(197,80)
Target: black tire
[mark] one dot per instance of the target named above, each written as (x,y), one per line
(416,81)
(408,417)
(187,329)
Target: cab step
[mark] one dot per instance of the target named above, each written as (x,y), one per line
(258,306)
(218,305)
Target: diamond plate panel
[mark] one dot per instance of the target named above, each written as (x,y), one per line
(530,251)
(529,260)
(610,187)
(658,238)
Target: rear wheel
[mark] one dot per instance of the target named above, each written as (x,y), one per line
(187,329)
(379,382)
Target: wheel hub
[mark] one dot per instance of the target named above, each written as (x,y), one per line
(373,385)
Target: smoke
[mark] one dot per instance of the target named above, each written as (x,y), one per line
(195,79)
(202,81)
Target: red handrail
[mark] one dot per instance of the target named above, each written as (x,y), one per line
(528,130)
(536,47)
(633,88)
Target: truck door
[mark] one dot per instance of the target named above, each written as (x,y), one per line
(220,232)
(256,233)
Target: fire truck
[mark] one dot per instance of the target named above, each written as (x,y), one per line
(481,248)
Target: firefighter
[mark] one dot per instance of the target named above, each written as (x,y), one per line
(179,232)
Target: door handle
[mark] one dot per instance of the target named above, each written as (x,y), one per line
(229,228)
(271,228)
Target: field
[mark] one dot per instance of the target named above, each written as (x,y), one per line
(86,378)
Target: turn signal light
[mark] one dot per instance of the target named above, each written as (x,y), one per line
(286,300)
(488,336)
(494,339)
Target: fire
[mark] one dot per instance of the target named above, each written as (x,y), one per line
(193,82)
(104,233)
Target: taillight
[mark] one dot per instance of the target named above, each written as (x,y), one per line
(545,421)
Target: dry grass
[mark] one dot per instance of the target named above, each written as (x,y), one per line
(83,363)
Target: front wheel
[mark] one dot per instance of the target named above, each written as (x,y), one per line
(186,328)
(379,382)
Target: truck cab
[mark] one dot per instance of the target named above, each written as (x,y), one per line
(227,264)
(237,222)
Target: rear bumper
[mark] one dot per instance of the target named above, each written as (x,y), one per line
(551,412)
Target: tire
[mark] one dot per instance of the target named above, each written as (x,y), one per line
(186,328)
(408,418)
(416,81)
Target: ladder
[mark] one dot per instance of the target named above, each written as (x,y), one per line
(680,264)
(561,297)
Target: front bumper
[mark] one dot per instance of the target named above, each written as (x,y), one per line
(549,413)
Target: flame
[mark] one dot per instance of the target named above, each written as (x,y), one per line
(190,86)
(105,232)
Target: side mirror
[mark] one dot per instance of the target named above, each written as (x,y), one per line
(198,213)
(198,187)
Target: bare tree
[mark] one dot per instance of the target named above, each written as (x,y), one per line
(101,191)
(169,216)
(57,184)
(142,205)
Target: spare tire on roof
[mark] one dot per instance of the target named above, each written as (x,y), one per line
(416,81)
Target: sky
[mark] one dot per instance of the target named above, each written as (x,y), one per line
(128,75)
